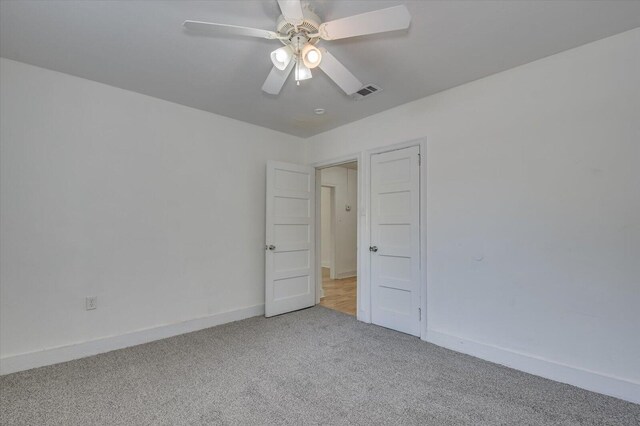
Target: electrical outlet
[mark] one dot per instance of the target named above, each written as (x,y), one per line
(91,302)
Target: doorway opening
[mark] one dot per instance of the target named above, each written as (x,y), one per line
(339,236)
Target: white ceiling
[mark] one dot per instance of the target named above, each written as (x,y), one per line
(141,46)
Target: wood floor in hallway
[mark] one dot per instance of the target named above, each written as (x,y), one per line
(339,295)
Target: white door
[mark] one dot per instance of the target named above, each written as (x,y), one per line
(395,240)
(290,235)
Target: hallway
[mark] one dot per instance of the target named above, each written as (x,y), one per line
(339,295)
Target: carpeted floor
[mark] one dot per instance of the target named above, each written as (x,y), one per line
(315,366)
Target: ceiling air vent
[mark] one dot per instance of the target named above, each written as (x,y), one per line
(366,91)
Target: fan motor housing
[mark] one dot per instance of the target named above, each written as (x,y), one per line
(310,25)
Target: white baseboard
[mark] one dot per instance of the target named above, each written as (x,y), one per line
(348,274)
(590,380)
(26,361)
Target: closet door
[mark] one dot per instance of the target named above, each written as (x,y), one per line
(395,240)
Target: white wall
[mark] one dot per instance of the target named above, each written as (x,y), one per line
(156,208)
(533,212)
(344,182)
(326,243)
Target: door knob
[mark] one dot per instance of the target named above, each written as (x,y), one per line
(373,249)
(271,247)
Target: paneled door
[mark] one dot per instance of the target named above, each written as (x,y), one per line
(289,248)
(395,240)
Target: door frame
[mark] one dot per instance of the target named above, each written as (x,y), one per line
(363,290)
(318,254)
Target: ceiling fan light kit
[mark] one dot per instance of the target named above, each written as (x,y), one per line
(311,56)
(302,72)
(299,29)
(281,57)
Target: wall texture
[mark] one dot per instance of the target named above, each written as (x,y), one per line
(155,208)
(533,205)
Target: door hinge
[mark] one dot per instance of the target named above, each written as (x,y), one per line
(420,314)
(419,159)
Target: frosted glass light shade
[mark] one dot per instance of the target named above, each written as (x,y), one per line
(311,56)
(302,72)
(281,57)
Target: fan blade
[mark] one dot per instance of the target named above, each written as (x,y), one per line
(210,28)
(378,21)
(292,11)
(276,78)
(338,73)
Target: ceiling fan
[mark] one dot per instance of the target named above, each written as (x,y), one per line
(299,30)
